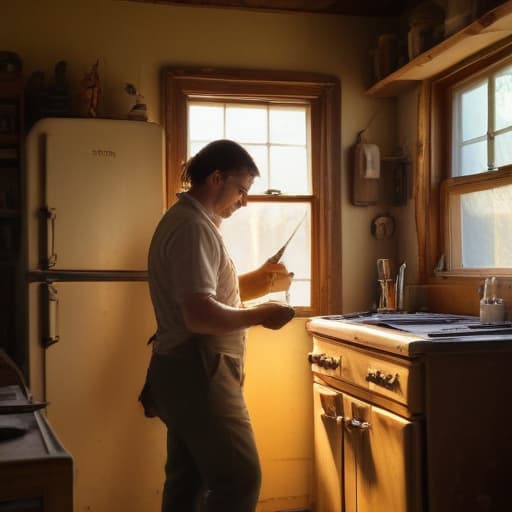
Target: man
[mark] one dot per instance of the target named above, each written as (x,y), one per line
(194,381)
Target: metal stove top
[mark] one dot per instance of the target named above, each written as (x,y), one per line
(409,333)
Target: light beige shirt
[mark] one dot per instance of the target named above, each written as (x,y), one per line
(187,256)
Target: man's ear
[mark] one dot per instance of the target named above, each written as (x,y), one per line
(216,177)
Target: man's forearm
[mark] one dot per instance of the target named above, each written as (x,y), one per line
(203,314)
(206,315)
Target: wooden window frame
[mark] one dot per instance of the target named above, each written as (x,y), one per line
(322,93)
(451,191)
(434,153)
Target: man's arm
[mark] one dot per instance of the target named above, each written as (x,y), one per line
(270,277)
(203,314)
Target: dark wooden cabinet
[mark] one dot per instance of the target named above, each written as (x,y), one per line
(11,156)
(36,472)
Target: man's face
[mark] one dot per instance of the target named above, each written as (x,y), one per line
(232,193)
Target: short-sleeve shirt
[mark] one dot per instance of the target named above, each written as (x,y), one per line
(187,256)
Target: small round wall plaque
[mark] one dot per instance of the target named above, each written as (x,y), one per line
(383,226)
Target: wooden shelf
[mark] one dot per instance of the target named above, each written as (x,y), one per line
(490,28)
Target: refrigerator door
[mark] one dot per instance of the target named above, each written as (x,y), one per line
(101,185)
(93,376)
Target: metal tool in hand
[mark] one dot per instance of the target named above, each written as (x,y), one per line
(279,254)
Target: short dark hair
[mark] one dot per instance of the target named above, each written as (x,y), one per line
(222,155)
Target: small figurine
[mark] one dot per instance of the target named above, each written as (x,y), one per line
(139,111)
(90,92)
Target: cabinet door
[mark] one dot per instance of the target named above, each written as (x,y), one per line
(328,443)
(381,460)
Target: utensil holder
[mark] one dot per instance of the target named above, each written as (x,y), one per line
(493,313)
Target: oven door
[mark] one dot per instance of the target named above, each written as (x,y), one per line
(328,449)
(382,459)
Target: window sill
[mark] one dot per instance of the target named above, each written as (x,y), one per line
(474,273)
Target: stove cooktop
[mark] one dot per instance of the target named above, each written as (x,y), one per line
(432,325)
(410,333)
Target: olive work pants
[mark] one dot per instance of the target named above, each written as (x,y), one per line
(212,461)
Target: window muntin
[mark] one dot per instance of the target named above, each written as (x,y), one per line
(276,136)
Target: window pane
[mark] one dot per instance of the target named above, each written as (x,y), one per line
(474,112)
(289,170)
(246,124)
(255,233)
(485,218)
(474,158)
(299,294)
(503,149)
(205,122)
(503,99)
(259,154)
(288,126)
(196,147)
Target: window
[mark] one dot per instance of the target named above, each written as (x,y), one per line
(470,187)
(277,137)
(289,123)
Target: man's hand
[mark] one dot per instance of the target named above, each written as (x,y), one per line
(270,277)
(275,314)
(203,314)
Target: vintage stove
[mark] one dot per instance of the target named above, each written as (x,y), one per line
(410,412)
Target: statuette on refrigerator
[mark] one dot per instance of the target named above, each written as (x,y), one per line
(90,92)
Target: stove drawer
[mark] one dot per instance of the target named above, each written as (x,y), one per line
(377,375)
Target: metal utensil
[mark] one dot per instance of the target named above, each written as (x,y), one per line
(279,254)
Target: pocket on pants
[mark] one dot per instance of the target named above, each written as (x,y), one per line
(234,366)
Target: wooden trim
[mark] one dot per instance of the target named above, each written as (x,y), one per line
(322,93)
(422,185)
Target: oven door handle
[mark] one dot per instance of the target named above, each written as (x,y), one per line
(358,424)
(337,419)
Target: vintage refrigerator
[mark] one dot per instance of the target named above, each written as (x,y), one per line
(94,194)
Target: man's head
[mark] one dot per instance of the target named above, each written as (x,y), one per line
(225,156)
(220,175)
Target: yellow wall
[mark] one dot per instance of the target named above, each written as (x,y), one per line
(133,42)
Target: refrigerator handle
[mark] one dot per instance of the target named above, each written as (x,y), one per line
(50,216)
(49,314)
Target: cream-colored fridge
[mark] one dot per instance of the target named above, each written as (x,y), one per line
(94,194)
